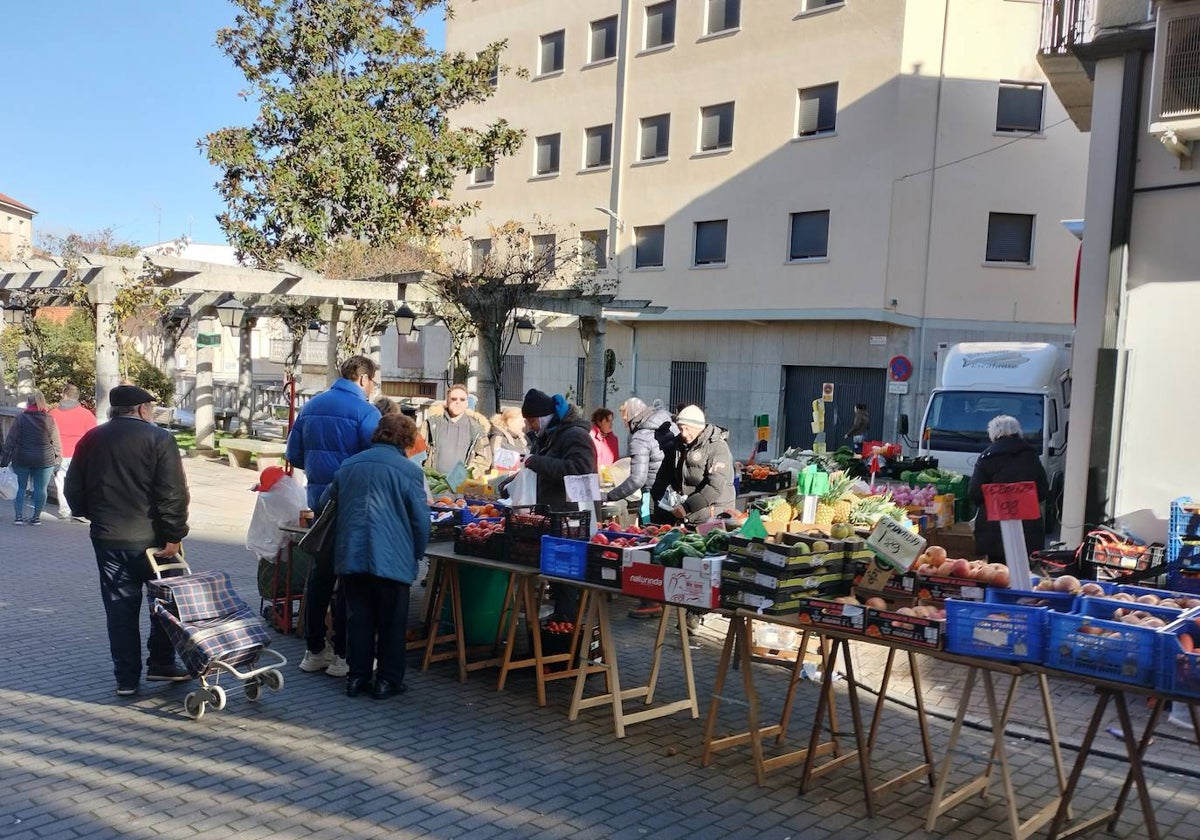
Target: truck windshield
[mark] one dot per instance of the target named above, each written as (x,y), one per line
(957,420)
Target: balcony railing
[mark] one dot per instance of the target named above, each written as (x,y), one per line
(1066,24)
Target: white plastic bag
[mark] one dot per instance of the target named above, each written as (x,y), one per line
(8,483)
(671,499)
(522,490)
(281,505)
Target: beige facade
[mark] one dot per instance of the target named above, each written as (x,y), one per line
(906,170)
(16,228)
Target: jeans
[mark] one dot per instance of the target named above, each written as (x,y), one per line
(318,593)
(123,573)
(60,478)
(38,479)
(376,626)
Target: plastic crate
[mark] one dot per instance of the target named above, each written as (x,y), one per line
(995,631)
(564,558)
(1056,601)
(1178,671)
(1123,558)
(1125,653)
(771,484)
(1183,553)
(1138,591)
(1184,522)
(493,548)
(535,521)
(1185,582)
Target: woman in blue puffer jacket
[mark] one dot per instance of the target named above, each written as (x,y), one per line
(382,532)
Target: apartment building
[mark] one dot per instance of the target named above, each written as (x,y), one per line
(811,189)
(16,228)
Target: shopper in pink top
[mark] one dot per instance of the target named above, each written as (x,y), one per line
(74,421)
(607,448)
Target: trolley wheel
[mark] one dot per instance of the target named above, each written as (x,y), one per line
(216,697)
(273,680)
(253,690)
(193,705)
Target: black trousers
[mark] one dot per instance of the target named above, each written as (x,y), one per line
(376,625)
(123,574)
(318,594)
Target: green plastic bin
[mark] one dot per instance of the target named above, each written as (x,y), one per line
(482,592)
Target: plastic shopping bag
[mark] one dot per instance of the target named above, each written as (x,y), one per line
(281,505)
(522,490)
(8,483)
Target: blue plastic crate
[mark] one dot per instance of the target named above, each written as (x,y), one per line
(1178,581)
(564,558)
(1090,642)
(995,631)
(1184,523)
(1183,553)
(1138,591)
(1179,672)
(1057,601)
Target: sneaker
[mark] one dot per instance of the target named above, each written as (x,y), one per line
(339,667)
(171,672)
(313,662)
(18,521)
(646,610)
(37,520)
(127,690)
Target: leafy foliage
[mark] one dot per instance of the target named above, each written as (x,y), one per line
(353,138)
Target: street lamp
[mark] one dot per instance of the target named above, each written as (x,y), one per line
(231,313)
(314,330)
(405,318)
(14,314)
(525,330)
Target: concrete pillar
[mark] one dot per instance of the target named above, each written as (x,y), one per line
(26,381)
(245,385)
(374,342)
(480,381)
(108,362)
(206,437)
(594,331)
(331,349)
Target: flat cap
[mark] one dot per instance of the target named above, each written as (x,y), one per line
(127,395)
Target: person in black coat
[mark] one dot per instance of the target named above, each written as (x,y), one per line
(1008,460)
(127,478)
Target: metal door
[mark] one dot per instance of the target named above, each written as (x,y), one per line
(851,385)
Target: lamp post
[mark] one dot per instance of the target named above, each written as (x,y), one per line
(14,314)
(405,319)
(525,330)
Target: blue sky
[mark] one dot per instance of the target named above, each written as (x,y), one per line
(100,128)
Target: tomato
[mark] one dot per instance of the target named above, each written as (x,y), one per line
(600,539)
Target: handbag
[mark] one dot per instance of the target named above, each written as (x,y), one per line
(322,534)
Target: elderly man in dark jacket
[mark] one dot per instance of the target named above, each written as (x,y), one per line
(127,478)
(1008,460)
(562,447)
(699,467)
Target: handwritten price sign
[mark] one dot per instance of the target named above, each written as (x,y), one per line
(895,545)
(1007,502)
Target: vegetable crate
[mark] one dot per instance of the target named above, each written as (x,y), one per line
(1185,517)
(1056,601)
(1183,553)
(1184,582)
(1116,559)
(493,548)
(604,562)
(1011,631)
(564,558)
(524,528)
(772,483)
(1179,664)
(1092,643)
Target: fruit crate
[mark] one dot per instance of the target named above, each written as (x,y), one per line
(493,548)
(564,558)
(1183,553)
(1092,643)
(1056,601)
(1185,517)
(906,629)
(993,631)
(1184,582)
(849,618)
(1179,667)
(771,484)
(1186,600)
(1122,561)
(524,528)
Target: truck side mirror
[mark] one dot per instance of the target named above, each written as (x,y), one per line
(902,426)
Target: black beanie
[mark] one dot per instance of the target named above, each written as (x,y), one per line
(537,404)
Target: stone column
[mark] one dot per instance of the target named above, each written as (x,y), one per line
(593,375)
(108,363)
(245,386)
(206,437)
(331,349)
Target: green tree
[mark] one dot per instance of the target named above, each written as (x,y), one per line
(353,139)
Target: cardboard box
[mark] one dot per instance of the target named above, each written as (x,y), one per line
(893,626)
(958,540)
(696,584)
(818,611)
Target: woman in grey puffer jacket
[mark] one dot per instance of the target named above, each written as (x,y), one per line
(650,427)
(34,450)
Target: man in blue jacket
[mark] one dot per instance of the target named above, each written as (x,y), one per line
(332,426)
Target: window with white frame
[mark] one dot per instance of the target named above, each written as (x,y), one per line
(1019,106)
(550,54)
(1010,238)
(545,251)
(648,246)
(493,70)
(722,15)
(480,250)
(716,127)
(597,146)
(547,154)
(660,25)
(594,245)
(808,237)
(813,5)
(485,174)
(603,44)
(710,242)
(817,110)
(655,137)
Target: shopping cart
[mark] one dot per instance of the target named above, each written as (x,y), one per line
(213,631)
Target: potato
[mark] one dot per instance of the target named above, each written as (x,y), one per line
(1045,585)
(1154,622)
(1122,596)
(1066,583)
(1091,588)
(1152,600)
(877,603)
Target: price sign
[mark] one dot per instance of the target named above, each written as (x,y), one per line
(895,545)
(506,459)
(1007,502)
(583,488)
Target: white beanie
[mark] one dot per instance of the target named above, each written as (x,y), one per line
(691,415)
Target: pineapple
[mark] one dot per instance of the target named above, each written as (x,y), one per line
(779,511)
(833,506)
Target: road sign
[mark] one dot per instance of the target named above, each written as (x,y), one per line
(897,387)
(900,368)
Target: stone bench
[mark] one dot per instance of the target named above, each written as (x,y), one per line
(268,453)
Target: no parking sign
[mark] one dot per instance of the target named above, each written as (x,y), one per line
(900,368)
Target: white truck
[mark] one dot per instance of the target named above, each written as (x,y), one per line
(1030,381)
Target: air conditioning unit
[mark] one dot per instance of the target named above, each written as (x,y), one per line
(1175,87)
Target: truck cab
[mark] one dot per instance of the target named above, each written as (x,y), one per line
(980,380)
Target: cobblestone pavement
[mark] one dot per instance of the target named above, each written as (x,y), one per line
(448,759)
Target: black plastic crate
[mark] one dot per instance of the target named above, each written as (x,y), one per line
(532,522)
(493,548)
(771,484)
(1124,562)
